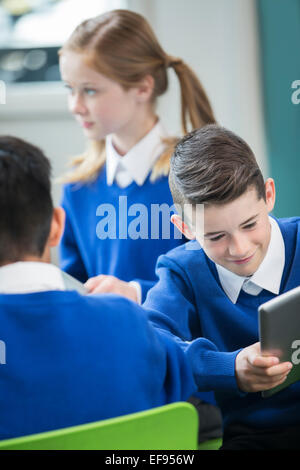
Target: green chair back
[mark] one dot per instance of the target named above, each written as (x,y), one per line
(169,427)
(212,444)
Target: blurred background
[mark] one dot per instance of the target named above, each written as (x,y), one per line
(246,53)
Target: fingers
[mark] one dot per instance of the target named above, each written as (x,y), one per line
(91,282)
(100,284)
(266,378)
(256,373)
(106,284)
(257,382)
(262,383)
(268,371)
(263,361)
(269,375)
(277,370)
(256,359)
(271,366)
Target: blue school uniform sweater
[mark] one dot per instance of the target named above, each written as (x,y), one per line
(117,231)
(192,305)
(72,359)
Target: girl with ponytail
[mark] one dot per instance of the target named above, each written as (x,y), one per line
(115,70)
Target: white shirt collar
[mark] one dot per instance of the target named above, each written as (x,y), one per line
(268,275)
(136,164)
(29,276)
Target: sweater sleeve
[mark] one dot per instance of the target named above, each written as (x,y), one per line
(149,368)
(174,310)
(69,255)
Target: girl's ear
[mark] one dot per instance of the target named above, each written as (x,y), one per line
(182,227)
(145,88)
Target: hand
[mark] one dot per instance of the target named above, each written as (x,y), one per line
(255,373)
(110,284)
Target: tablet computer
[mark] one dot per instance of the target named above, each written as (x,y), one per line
(279,333)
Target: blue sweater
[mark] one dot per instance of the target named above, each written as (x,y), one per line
(110,230)
(73,359)
(192,305)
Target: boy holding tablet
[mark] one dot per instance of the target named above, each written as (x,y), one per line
(70,358)
(209,290)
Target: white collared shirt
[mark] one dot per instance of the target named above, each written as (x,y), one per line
(268,275)
(137,163)
(29,276)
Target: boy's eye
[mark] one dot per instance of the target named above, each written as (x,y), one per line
(250,225)
(215,239)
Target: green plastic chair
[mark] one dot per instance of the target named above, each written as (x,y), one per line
(169,427)
(213,444)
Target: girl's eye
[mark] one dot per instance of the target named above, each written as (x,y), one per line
(68,88)
(90,91)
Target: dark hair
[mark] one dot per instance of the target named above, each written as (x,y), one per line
(212,165)
(25,200)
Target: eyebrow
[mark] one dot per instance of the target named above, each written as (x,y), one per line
(208,234)
(82,84)
(89,84)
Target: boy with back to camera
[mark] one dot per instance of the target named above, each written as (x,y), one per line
(209,290)
(70,358)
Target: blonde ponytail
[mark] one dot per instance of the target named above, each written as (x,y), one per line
(195,104)
(195,109)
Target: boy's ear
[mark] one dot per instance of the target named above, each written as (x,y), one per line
(57,226)
(270,194)
(182,227)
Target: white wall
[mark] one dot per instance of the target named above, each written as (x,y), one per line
(219,40)
(38,113)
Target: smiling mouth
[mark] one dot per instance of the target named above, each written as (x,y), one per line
(243,261)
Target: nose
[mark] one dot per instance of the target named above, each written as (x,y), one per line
(76,104)
(239,246)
